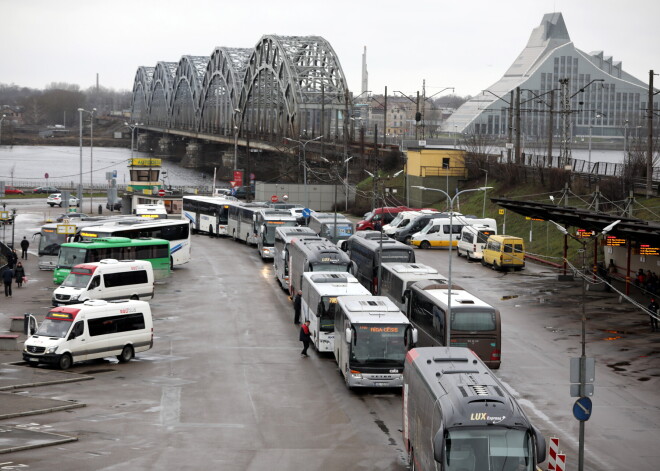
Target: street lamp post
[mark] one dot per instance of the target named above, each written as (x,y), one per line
(80,185)
(303,144)
(483,212)
(236,131)
(583,321)
(451,231)
(598,115)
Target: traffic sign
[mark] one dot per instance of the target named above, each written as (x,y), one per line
(306,212)
(582,409)
(46,175)
(274,199)
(161,192)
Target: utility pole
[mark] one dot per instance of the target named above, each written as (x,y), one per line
(385,120)
(518,125)
(565,156)
(649,157)
(322,117)
(551,125)
(417,115)
(510,130)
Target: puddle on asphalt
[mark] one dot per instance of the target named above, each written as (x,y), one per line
(89,372)
(618,366)
(643,378)
(508,296)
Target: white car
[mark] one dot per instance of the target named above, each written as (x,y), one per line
(56,199)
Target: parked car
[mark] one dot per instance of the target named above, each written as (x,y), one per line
(242,192)
(46,190)
(56,199)
(10,190)
(64,216)
(116,206)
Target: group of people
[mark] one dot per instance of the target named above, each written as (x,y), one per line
(15,269)
(648,280)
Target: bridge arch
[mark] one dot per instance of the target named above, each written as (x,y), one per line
(187,89)
(293,86)
(161,93)
(221,89)
(141,94)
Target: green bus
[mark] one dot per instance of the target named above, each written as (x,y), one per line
(156,251)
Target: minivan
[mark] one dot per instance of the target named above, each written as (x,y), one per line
(108,279)
(472,241)
(504,251)
(94,329)
(404,234)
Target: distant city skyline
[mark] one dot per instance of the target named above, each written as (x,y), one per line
(467,46)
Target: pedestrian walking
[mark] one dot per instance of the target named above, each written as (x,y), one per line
(305,337)
(297,304)
(24,247)
(19,274)
(653,307)
(12,259)
(8,278)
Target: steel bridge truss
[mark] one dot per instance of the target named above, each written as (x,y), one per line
(286,86)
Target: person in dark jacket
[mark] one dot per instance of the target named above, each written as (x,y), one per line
(24,248)
(305,338)
(653,307)
(12,259)
(297,305)
(19,274)
(7,278)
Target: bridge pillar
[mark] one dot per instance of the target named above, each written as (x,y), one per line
(192,159)
(144,142)
(165,145)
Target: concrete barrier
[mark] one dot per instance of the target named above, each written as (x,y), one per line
(8,342)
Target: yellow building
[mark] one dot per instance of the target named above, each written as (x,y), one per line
(440,168)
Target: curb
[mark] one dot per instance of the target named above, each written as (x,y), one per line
(72,405)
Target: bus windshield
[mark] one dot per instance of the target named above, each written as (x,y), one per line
(70,256)
(327,313)
(494,447)
(344,231)
(53,328)
(50,241)
(76,280)
(395,256)
(475,321)
(269,230)
(378,344)
(321,266)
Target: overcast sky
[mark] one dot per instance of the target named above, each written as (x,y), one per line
(463,44)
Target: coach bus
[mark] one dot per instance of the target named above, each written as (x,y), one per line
(319,303)
(473,323)
(398,277)
(155,251)
(335,227)
(283,237)
(458,416)
(372,337)
(316,254)
(368,249)
(208,214)
(266,221)
(241,221)
(175,231)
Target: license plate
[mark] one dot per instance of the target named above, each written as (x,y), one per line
(33,359)
(381,383)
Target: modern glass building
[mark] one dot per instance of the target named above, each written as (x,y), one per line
(599,93)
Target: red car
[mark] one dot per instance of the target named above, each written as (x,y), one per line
(13,191)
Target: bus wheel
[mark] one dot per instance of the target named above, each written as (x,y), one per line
(171,263)
(233,235)
(65,362)
(135,297)
(126,354)
(458,254)
(483,262)
(211,231)
(425,245)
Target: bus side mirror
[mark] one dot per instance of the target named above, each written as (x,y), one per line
(349,335)
(540,445)
(439,445)
(414,336)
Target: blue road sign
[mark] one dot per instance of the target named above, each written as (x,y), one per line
(306,212)
(582,409)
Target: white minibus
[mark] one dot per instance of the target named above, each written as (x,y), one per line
(437,231)
(108,279)
(94,329)
(472,241)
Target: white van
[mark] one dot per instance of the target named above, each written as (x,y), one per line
(94,329)
(438,231)
(108,279)
(472,241)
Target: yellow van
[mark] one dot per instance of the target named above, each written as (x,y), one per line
(504,251)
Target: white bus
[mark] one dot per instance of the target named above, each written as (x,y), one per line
(324,225)
(437,231)
(208,214)
(176,231)
(319,303)
(397,278)
(283,237)
(241,221)
(150,211)
(267,220)
(314,254)
(372,337)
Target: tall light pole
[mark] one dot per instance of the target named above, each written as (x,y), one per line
(483,212)
(346,163)
(91,160)
(132,127)
(583,357)
(80,185)
(1,120)
(303,144)
(598,115)
(237,112)
(451,242)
